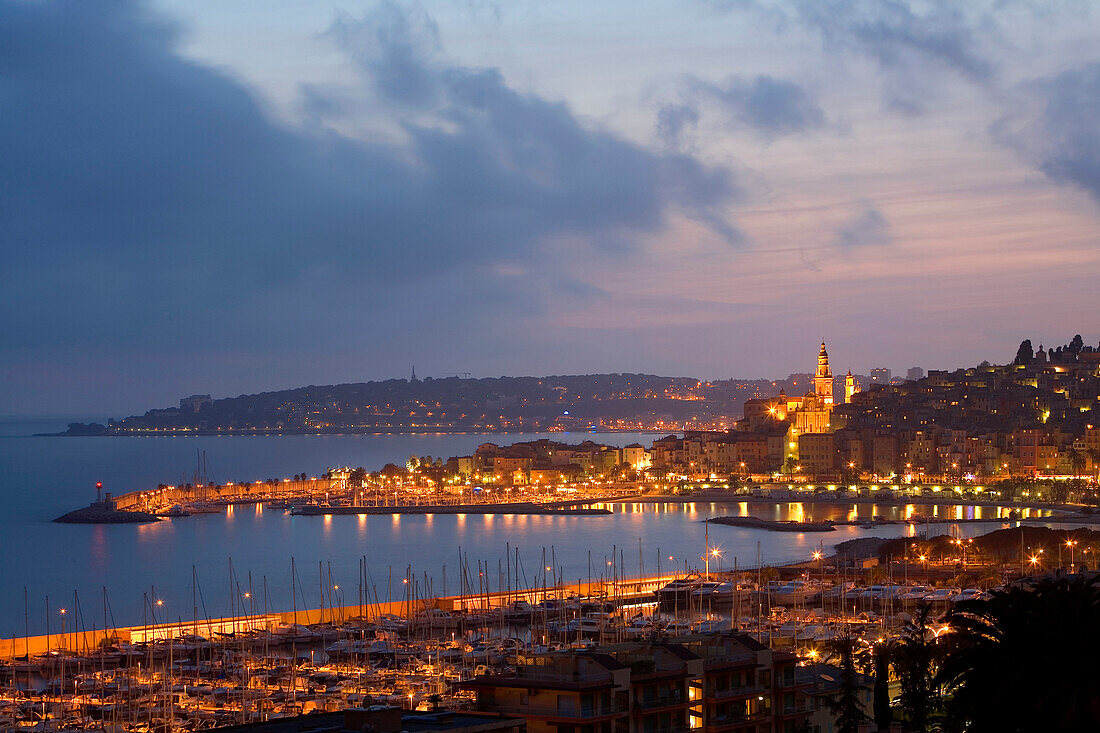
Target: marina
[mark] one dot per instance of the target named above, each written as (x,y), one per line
(418,653)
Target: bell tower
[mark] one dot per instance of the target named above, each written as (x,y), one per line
(850,387)
(823,380)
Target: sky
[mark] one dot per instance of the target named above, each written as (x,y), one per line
(208,197)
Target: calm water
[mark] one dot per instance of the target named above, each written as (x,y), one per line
(41,478)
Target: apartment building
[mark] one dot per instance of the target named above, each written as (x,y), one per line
(713,683)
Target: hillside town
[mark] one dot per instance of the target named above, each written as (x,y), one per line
(1036,418)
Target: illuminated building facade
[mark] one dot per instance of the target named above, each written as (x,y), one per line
(811,412)
(808,414)
(850,387)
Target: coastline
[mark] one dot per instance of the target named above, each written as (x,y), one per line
(947,498)
(273,432)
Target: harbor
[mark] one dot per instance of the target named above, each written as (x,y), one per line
(426,652)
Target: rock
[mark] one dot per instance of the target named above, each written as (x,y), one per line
(100,515)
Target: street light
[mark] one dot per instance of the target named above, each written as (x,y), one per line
(1071,544)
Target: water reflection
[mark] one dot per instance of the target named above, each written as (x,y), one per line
(671,533)
(99,552)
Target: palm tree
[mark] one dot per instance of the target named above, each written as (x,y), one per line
(881,661)
(846,705)
(915,665)
(1077,461)
(1024,660)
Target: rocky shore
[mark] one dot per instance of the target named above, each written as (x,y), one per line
(774,526)
(99,514)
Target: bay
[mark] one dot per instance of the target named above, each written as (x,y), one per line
(42,477)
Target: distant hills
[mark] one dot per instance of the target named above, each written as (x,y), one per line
(567,402)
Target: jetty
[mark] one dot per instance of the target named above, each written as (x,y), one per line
(106,512)
(317,497)
(522,507)
(774,525)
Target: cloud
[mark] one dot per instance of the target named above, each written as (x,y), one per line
(868,227)
(673,120)
(150,202)
(899,33)
(1053,125)
(400,47)
(771,107)
(910,43)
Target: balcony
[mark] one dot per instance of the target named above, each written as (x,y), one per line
(735,692)
(661,702)
(562,713)
(802,708)
(729,722)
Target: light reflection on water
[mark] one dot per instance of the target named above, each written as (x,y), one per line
(642,536)
(45,477)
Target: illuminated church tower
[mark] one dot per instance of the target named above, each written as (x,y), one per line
(823,380)
(850,387)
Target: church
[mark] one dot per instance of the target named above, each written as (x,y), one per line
(809,413)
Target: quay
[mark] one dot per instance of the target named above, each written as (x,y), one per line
(329,496)
(523,507)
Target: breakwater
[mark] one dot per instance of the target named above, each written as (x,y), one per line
(523,507)
(81,641)
(307,497)
(774,526)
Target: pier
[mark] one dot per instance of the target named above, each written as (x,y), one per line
(332,496)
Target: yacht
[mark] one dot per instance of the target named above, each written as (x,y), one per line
(678,592)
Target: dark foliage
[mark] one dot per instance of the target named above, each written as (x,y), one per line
(1025,660)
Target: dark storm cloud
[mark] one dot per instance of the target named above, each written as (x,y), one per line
(868,227)
(1054,127)
(148,201)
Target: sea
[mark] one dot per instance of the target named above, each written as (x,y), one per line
(116,574)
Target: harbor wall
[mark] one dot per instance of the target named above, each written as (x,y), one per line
(152,498)
(80,642)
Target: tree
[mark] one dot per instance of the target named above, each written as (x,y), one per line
(1025,354)
(1077,461)
(882,659)
(846,705)
(1025,659)
(915,659)
(357,476)
(1076,345)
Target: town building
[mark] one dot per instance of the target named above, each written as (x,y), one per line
(881,375)
(712,683)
